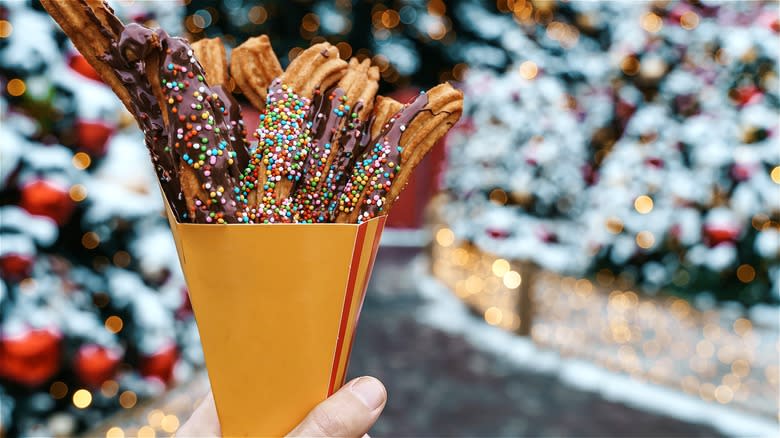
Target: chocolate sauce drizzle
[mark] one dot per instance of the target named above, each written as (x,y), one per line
(351,146)
(312,192)
(231,111)
(378,165)
(199,132)
(128,59)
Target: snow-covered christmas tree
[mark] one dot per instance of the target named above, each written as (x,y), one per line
(639,138)
(688,189)
(93,309)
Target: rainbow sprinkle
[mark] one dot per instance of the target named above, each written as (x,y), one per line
(283,144)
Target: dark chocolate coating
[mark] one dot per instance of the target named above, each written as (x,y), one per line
(128,59)
(231,110)
(199,132)
(392,134)
(380,158)
(221,145)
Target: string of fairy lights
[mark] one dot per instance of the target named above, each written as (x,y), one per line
(335,27)
(717,356)
(159,417)
(645,239)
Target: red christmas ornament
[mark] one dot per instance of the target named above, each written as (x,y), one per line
(160,364)
(46,198)
(185,310)
(94,364)
(589,174)
(769,20)
(79,64)
(743,171)
(15,267)
(32,358)
(746,95)
(624,110)
(715,234)
(676,231)
(658,163)
(92,136)
(497,233)
(546,235)
(676,14)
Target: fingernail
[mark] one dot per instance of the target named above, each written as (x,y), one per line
(369,391)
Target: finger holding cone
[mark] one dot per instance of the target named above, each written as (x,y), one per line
(382,172)
(254,66)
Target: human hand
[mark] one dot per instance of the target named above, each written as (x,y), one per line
(350,412)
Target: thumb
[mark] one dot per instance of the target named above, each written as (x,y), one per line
(350,412)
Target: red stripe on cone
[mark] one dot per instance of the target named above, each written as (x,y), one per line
(353,272)
(375,247)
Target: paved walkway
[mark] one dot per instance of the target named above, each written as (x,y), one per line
(441,385)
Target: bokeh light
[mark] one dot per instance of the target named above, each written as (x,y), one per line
(645,239)
(528,70)
(170,423)
(81,160)
(651,22)
(775,174)
(6,28)
(90,239)
(500,267)
(512,279)
(689,20)
(16,87)
(58,390)
(128,399)
(82,398)
(643,204)
(115,432)
(78,193)
(445,237)
(114,324)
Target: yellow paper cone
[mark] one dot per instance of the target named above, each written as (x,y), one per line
(276,307)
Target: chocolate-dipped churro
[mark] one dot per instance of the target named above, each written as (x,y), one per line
(328,149)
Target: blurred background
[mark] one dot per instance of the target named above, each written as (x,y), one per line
(593,250)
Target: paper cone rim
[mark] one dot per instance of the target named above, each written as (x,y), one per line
(173,218)
(340,224)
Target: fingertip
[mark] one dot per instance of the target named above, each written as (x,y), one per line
(370,391)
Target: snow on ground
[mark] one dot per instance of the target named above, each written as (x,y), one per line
(447,313)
